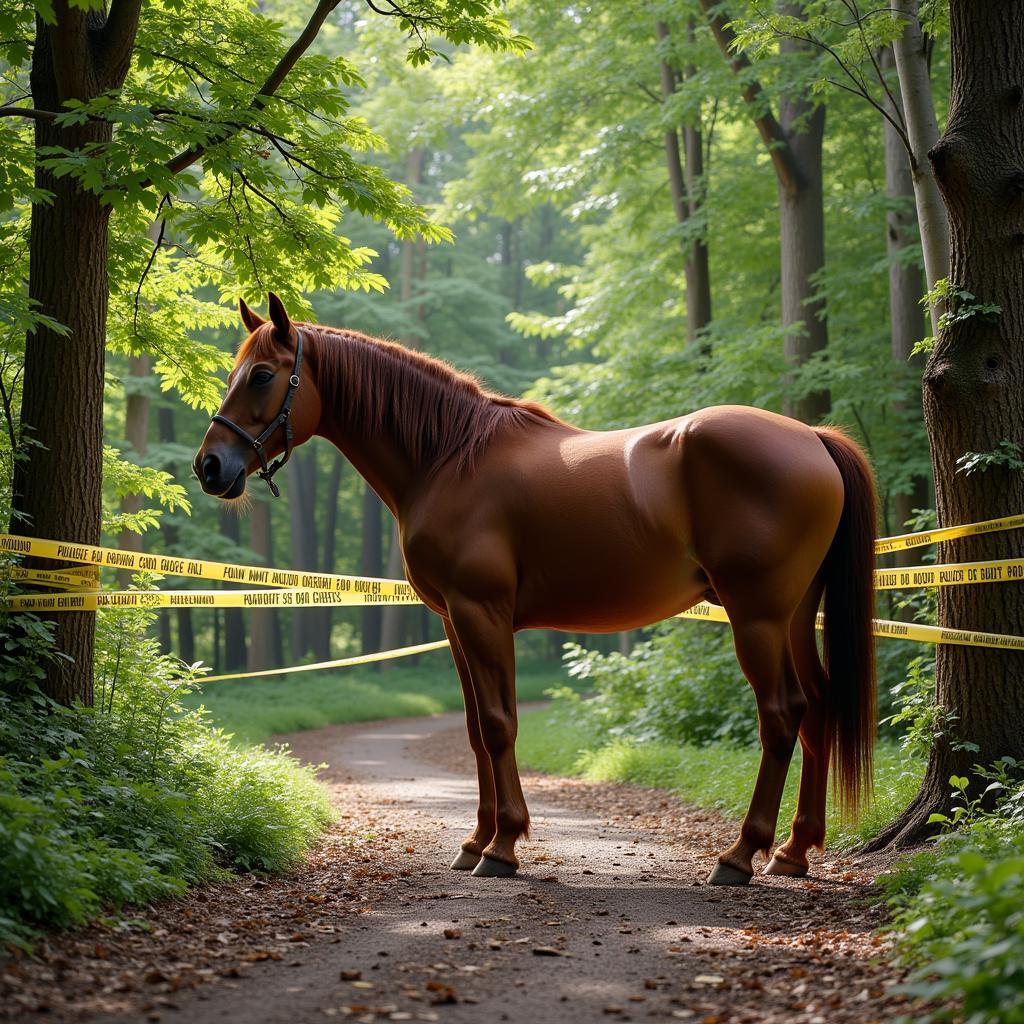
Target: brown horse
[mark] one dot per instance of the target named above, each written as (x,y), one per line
(511,519)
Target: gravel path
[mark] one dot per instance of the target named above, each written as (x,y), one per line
(608,918)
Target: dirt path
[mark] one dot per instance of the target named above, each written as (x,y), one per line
(607,919)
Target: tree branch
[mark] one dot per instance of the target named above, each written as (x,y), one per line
(783,159)
(116,40)
(29,112)
(189,156)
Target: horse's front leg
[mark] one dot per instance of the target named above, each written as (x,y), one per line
(473,847)
(484,634)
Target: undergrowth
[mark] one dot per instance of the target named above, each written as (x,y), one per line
(136,798)
(959,905)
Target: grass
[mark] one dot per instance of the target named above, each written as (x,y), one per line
(254,711)
(716,776)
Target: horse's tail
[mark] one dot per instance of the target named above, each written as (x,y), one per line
(849,651)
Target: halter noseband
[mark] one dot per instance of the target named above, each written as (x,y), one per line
(283,418)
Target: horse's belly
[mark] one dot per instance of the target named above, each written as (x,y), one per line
(604,598)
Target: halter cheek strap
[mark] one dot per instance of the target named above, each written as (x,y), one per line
(283,418)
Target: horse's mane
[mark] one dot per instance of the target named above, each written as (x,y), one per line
(433,411)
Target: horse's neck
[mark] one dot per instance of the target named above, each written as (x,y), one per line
(382,465)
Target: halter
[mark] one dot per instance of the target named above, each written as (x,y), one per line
(283,418)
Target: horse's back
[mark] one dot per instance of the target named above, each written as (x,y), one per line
(608,530)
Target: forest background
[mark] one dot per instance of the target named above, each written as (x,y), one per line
(649,208)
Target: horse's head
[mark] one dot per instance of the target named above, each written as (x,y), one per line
(270,406)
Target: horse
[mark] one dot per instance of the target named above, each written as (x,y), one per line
(511,519)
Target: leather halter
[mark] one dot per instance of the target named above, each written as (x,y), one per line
(283,418)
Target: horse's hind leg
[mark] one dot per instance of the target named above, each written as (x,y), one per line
(762,642)
(473,847)
(808,828)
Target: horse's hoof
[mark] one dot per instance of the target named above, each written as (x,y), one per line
(780,866)
(491,868)
(465,861)
(726,874)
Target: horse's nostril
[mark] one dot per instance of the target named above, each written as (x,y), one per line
(210,467)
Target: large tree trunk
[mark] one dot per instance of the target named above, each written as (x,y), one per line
(371,564)
(911,53)
(974,395)
(263,622)
(906,286)
(57,490)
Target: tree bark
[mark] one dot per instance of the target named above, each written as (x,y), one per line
(794,144)
(57,490)
(906,287)
(974,395)
(263,622)
(371,564)
(911,54)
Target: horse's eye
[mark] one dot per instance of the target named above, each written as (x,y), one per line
(261,378)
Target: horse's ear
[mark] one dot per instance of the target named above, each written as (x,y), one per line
(280,316)
(249,318)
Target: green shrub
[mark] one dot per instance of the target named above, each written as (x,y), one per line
(136,798)
(959,919)
(682,686)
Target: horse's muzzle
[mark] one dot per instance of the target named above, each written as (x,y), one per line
(221,473)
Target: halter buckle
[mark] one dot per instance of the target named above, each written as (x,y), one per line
(293,380)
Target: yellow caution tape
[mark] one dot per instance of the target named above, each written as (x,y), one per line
(291,597)
(886,627)
(62,580)
(300,589)
(361,659)
(919,540)
(171,565)
(1007,570)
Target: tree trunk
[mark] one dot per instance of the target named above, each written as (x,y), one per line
(974,395)
(794,144)
(392,619)
(234,618)
(371,564)
(802,242)
(136,432)
(301,510)
(57,490)
(263,622)
(686,188)
(322,622)
(906,286)
(183,616)
(911,54)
